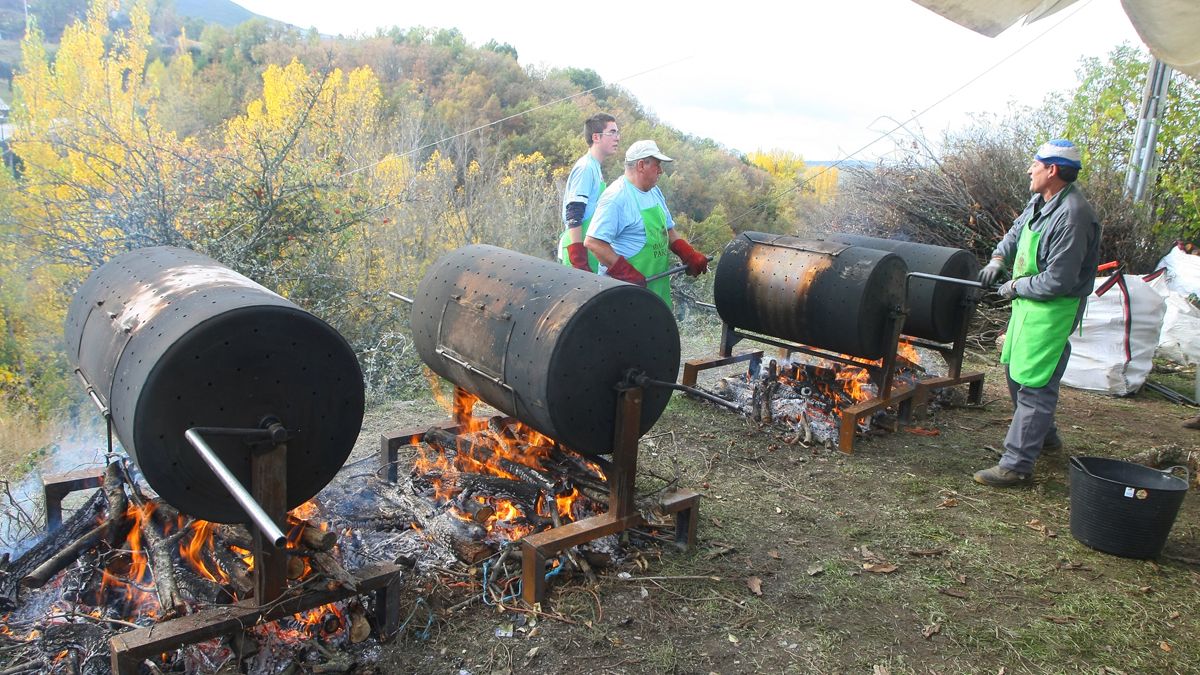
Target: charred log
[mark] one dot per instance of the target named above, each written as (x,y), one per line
(79,524)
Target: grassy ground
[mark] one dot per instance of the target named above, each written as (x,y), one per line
(984,580)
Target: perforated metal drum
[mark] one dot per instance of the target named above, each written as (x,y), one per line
(817,293)
(171,339)
(542,342)
(935,308)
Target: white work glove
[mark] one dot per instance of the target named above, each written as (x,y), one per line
(1008,290)
(992,273)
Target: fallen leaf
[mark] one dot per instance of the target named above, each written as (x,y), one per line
(880,670)
(1059,619)
(931,630)
(922,431)
(948,503)
(529,655)
(774,554)
(733,638)
(1173,615)
(718,550)
(927,552)
(879,568)
(953,592)
(1164,646)
(868,554)
(962,578)
(814,570)
(755,585)
(778,510)
(1145,589)
(1037,525)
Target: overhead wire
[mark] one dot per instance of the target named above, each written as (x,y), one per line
(771,198)
(901,125)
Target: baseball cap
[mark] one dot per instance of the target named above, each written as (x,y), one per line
(644,149)
(1059,151)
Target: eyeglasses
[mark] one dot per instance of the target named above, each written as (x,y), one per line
(611,132)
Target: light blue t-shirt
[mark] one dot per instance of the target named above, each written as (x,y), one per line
(618,218)
(583,185)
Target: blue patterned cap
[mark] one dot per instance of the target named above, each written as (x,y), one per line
(1059,151)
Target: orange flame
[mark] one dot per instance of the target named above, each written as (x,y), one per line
(135,589)
(194,551)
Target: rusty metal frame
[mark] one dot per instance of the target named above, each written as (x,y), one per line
(953,355)
(882,374)
(131,648)
(55,488)
(272,599)
(537,549)
(390,444)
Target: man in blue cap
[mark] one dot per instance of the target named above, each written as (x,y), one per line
(1053,248)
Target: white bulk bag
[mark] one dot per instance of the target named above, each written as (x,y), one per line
(1113,349)
(1183,271)
(1179,340)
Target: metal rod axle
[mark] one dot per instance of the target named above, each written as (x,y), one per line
(672,271)
(257,515)
(952,280)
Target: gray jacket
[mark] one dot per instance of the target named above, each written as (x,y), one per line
(1068,252)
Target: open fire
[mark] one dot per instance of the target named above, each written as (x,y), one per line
(126,560)
(810,395)
(497,480)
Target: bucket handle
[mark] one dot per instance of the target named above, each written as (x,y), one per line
(1187,476)
(1080,465)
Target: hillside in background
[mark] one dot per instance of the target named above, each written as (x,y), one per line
(220,12)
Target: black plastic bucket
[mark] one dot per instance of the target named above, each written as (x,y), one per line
(1123,508)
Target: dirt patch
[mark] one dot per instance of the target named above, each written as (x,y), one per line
(966,579)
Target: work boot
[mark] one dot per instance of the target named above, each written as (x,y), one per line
(1193,423)
(998,476)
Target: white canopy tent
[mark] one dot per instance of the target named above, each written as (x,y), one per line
(1170,28)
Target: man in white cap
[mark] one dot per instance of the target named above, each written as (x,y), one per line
(584,185)
(1053,247)
(632,229)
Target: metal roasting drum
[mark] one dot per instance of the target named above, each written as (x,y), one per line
(542,342)
(169,339)
(817,293)
(935,309)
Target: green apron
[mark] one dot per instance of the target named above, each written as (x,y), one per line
(1038,329)
(565,240)
(653,259)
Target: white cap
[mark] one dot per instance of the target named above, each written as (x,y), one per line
(644,149)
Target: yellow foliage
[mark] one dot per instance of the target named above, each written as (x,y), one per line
(781,164)
(822,182)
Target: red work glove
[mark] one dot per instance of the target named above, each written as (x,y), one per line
(697,263)
(624,271)
(578,255)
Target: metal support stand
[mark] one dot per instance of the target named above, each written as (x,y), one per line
(881,374)
(390,444)
(266,506)
(953,355)
(537,549)
(57,486)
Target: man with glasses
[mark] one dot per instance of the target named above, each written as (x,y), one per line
(584,185)
(632,229)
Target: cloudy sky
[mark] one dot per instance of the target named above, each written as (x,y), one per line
(824,79)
